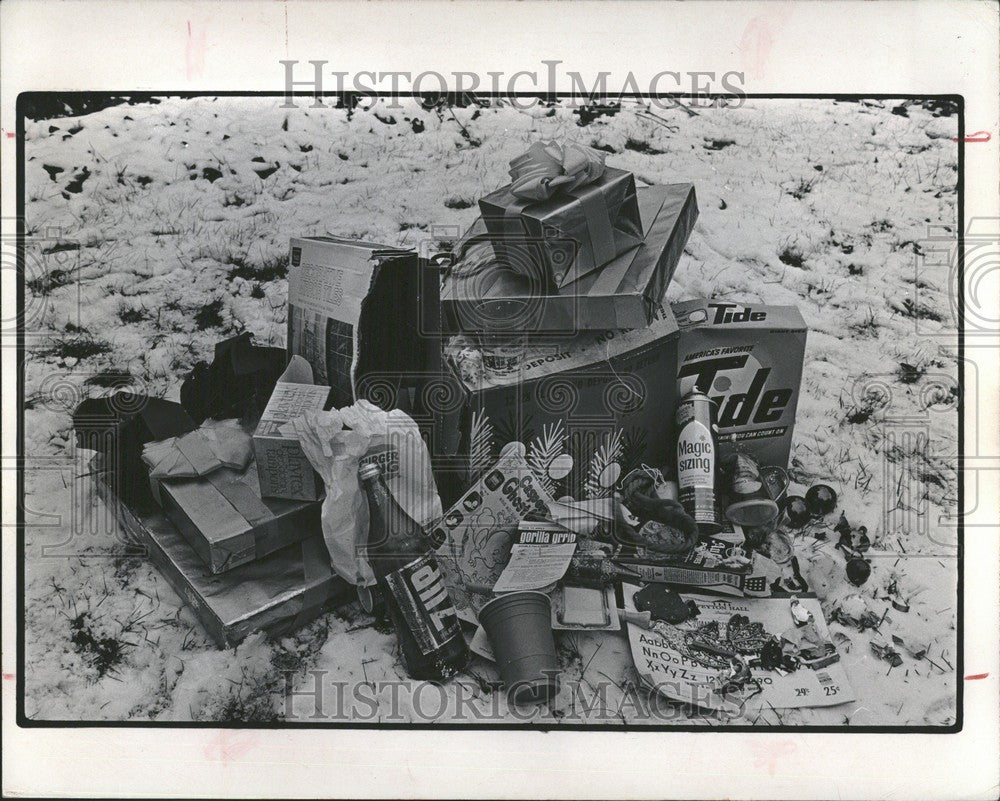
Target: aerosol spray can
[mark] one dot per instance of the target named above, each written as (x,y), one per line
(698,460)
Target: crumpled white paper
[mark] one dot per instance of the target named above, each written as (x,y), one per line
(335,442)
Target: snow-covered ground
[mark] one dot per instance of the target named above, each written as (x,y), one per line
(157,229)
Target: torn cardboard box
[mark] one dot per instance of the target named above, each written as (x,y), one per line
(748,359)
(228,523)
(282,467)
(481,293)
(276,595)
(586,410)
(338,294)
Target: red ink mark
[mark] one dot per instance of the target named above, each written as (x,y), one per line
(11,134)
(194,53)
(976,676)
(770,754)
(978,136)
(227,747)
(756,44)
(8,676)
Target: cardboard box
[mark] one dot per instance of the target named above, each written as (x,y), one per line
(748,358)
(565,237)
(585,410)
(624,293)
(366,317)
(282,467)
(276,595)
(227,522)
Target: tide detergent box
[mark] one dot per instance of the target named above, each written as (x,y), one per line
(748,359)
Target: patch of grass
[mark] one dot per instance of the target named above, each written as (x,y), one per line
(459,203)
(255,703)
(132,314)
(52,170)
(44,284)
(209,316)
(718,144)
(76,185)
(111,379)
(792,256)
(268,270)
(594,111)
(82,347)
(802,188)
(605,148)
(914,246)
(862,412)
(881,226)
(941,108)
(909,374)
(918,311)
(642,147)
(103,653)
(869,326)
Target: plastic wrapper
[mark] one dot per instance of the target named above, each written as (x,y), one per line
(336,443)
(198,453)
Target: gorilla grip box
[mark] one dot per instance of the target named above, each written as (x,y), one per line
(748,359)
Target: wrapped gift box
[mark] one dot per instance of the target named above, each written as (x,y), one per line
(561,239)
(228,523)
(483,294)
(276,595)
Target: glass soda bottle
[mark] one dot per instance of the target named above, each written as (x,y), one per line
(410,582)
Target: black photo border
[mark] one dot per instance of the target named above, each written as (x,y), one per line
(22,720)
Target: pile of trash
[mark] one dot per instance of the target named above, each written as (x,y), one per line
(503,443)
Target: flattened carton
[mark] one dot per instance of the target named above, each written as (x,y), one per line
(583,411)
(748,359)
